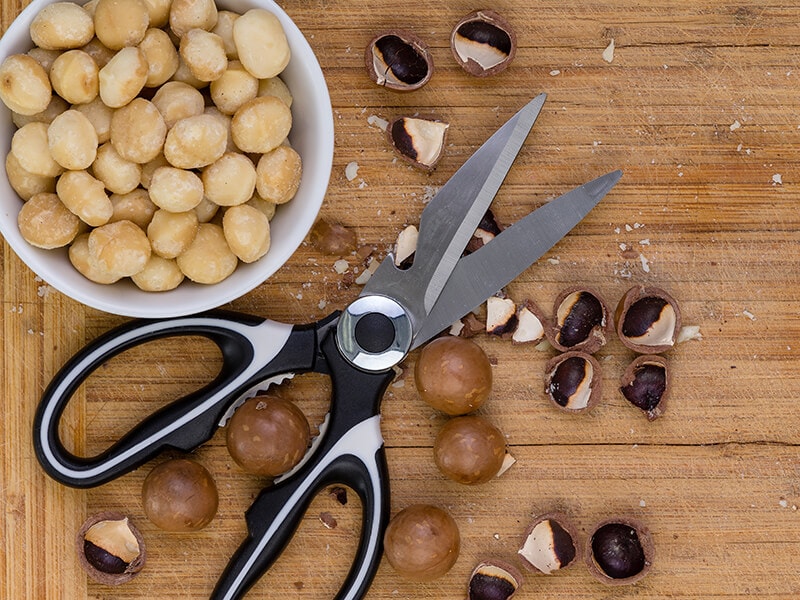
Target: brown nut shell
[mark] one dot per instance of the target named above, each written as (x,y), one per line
(100,542)
(483,43)
(180,495)
(494,579)
(581,320)
(573,381)
(469,450)
(645,384)
(550,544)
(422,542)
(417,140)
(398,60)
(619,551)
(332,238)
(648,320)
(453,375)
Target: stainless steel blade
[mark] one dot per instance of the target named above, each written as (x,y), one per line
(450,219)
(484,272)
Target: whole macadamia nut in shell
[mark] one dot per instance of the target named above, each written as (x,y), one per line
(453,375)
(422,542)
(180,495)
(267,435)
(469,450)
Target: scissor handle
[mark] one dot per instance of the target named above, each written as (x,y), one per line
(349,452)
(253,349)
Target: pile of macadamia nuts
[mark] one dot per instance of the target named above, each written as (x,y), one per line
(152,137)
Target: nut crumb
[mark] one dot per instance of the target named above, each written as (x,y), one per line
(749,315)
(351,170)
(608,53)
(645,263)
(327,520)
(378,122)
(735,125)
(341,266)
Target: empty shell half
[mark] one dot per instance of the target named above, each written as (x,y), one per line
(648,320)
(418,140)
(398,60)
(645,384)
(573,381)
(483,43)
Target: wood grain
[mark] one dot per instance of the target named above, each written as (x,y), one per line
(699,108)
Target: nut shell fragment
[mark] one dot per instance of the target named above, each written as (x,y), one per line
(493,580)
(573,381)
(110,548)
(619,551)
(648,320)
(581,321)
(531,324)
(417,140)
(549,544)
(398,60)
(645,384)
(483,43)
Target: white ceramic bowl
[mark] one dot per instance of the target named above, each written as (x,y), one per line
(311,136)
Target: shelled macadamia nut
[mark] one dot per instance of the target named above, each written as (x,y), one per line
(45,222)
(24,85)
(204,53)
(274,86)
(120,249)
(175,190)
(176,100)
(99,53)
(25,183)
(57,106)
(135,206)
(110,548)
(75,78)
(185,15)
(224,29)
(233,88)
(171,233)
(44,57)
(85,196)
(648,320)
(230,180)
(119,175)
(195,142)
(31,148)
(158,11)
(549,544)
(79,257)
(573,381)
(99,116)
(261,124)
(61,26)
(161,56)
(158,275)
(120,23)
(209,259)
(261,43)
(72,140)
(581,321)
(278,174)
(123,77)
(619,551)
(247,232)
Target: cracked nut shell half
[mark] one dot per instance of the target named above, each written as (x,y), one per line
(645,384)
(483,43)
(549,544)
(648,320)
(110,548)
(581,321)
(493,580)
(398,60)
(573,381)
(418,140)
(619,551)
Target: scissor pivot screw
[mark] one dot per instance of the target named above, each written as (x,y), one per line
(374,333)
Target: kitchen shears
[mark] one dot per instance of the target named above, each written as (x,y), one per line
(397,311)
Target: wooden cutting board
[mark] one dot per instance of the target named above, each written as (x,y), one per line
(699,106)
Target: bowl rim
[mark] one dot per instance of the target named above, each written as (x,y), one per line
(124,298)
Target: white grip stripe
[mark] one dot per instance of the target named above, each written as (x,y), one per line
(267,338)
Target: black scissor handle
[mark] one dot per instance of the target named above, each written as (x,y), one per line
(349,451)
(253,349)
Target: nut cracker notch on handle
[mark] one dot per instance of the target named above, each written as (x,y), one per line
(396,312)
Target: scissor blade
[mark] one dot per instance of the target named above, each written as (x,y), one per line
(484,272)
(450,219)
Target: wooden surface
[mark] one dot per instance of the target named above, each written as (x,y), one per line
(699,108)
